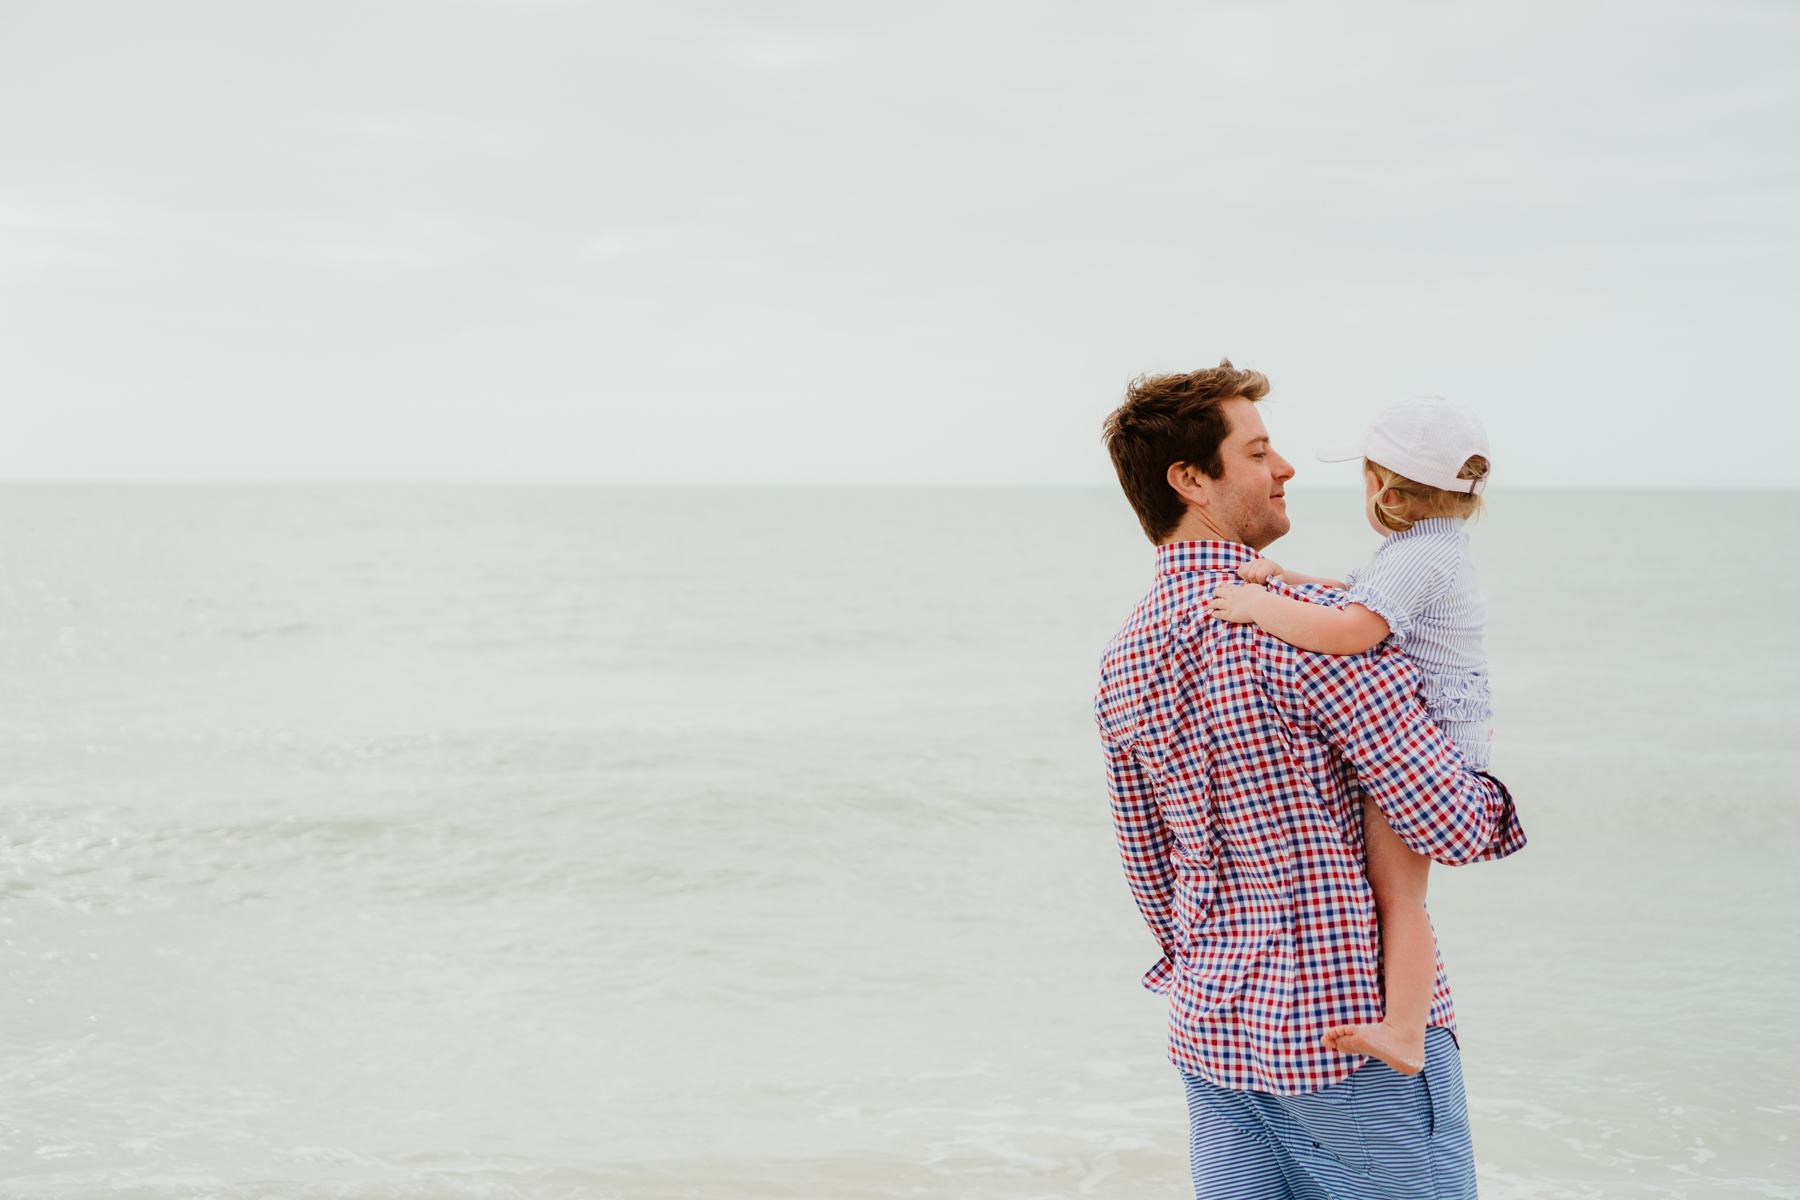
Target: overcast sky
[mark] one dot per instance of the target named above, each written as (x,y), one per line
(680,241)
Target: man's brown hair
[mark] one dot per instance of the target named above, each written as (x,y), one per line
(1169,419)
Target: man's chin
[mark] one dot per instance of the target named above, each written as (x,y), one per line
(1273,529)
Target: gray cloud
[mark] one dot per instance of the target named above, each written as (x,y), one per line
(716,242)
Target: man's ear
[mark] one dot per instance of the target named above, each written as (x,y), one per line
(1190,483)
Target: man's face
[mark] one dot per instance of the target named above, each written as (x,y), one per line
(1249,505)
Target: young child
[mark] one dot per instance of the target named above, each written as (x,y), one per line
(1425,465)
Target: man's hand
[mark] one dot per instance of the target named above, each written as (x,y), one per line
(1259,570)
(1230,602)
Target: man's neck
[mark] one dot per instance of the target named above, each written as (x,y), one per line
(1195,527)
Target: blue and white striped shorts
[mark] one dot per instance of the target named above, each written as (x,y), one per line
(1377,1135)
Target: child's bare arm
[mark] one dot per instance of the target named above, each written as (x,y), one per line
(1261,570)
(1315,627)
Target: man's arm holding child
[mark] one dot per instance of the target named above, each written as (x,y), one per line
(1368,708)
(1319,628)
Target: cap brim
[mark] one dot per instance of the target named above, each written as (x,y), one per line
(1342,451)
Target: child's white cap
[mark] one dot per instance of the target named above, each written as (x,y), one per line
(1425,438)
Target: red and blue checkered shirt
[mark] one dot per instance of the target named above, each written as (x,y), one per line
(1237,767)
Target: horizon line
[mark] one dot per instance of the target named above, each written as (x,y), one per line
(800,485)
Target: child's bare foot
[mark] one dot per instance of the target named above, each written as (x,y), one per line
(1400,1050)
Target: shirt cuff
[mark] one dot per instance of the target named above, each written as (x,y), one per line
(1160,978)
(1509,835)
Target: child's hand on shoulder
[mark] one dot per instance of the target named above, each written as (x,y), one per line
(1259,570)
(1230,602)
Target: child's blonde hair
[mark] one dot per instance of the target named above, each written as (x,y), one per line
(1414,502)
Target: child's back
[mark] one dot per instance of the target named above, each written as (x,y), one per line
(1422,582)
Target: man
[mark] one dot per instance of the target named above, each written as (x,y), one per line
(1237,767)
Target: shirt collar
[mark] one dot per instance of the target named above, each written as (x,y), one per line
(1432,525)
(1175,558)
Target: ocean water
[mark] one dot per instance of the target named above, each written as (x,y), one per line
(486,842)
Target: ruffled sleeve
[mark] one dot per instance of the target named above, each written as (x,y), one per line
(1405,575)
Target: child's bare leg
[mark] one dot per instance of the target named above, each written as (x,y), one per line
(1397,876)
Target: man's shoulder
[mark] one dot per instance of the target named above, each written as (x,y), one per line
(1170,599)
(1136,659)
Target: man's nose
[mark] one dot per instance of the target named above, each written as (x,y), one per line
(1284,470)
